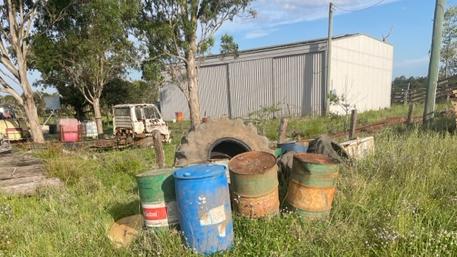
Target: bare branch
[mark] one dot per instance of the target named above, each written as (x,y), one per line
(5,88)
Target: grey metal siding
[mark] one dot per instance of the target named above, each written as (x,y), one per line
(298,84)
(172,100)
(250,86)
(213,90)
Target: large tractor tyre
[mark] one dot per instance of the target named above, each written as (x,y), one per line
(219,139)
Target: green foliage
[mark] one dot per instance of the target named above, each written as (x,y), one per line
(85,49)
(449,42)
(262,116)
(229,46)
(415,82)
(121,91)
(169,28)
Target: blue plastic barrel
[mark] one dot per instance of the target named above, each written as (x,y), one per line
(204,211)
(293,146)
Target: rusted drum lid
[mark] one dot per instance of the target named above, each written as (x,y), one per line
(251,163)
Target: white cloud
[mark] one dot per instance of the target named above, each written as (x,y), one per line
(259,33)
(273,13)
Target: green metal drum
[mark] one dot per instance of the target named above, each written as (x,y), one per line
(314,170)
(312,185)
(254,184)
(253,174)
(157,195)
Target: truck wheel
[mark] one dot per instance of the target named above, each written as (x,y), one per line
(219,139)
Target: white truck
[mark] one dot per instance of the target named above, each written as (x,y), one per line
(138,122)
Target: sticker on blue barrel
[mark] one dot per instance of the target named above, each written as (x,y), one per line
(213,216)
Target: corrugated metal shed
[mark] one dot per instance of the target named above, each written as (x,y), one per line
(362,73)
(290,77)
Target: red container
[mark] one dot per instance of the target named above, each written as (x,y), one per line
(69,130)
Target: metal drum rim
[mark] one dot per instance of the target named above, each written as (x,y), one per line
(210,173)
(328,161)
(152,173)
(265,170)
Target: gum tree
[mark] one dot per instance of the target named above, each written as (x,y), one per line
(179,33)
(87,49)
(17,18)
(449,49)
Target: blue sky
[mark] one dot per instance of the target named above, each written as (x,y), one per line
(285,21)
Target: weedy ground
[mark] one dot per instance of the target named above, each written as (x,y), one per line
(401,201)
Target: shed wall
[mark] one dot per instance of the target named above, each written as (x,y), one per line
(292,79)
(291,83)
(362,73)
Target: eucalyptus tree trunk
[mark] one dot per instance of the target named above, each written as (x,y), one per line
(98,115)
(33,119)
(29,103)
(14,50)
(192,83)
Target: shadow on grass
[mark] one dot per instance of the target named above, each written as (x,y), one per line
(120,210)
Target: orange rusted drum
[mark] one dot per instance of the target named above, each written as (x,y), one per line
(312,185)
(309,198)
(179,116)
(257,207)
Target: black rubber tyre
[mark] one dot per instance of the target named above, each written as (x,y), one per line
(198,144)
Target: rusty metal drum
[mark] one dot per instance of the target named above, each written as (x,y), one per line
(257,207)
(254,184)
(312,185)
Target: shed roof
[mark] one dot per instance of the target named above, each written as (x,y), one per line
(219,58)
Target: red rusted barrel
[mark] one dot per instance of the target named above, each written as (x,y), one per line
(312,184)
(254,184)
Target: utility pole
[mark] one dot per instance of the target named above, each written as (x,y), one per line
(433,67)
(329,56)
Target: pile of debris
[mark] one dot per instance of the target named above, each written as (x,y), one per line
(224,165)
(5,146)
(22,174)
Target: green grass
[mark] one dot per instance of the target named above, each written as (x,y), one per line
(398,202)
(312,126)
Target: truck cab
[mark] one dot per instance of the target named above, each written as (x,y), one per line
(138,121)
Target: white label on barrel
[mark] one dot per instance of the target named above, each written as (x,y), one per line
(160,214)
(213,216)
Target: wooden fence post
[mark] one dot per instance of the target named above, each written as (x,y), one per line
(409,120)
(158,148)
(282,131)
(353,126)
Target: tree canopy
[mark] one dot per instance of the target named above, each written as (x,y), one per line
(88,48)
(178,34)
(449,49)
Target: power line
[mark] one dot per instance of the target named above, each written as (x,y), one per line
(360,9)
